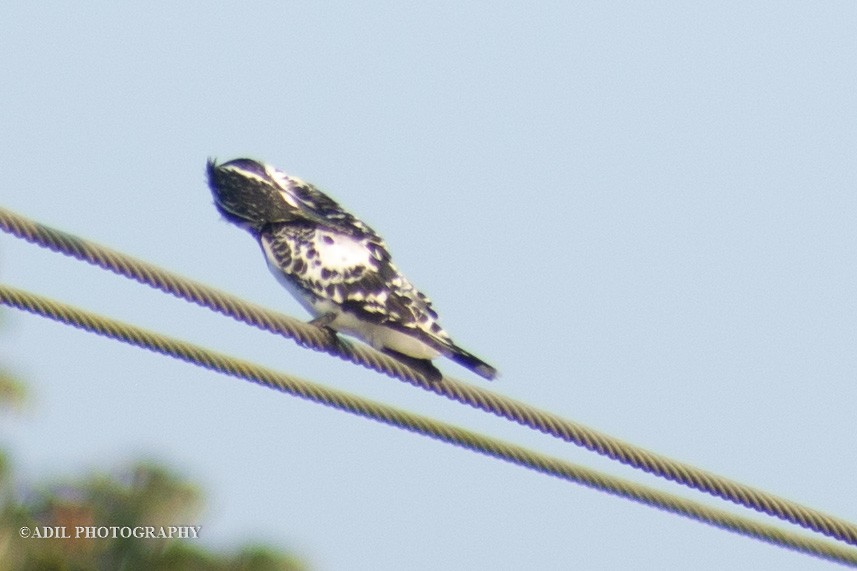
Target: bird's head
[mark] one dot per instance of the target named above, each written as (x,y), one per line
(252,194)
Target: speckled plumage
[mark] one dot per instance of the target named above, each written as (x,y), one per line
(337,267)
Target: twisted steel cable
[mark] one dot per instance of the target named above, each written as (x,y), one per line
(451,434)
(315,338)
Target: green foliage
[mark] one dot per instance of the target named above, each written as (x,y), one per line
(13,393)
(145,495)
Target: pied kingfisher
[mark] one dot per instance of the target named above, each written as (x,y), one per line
(336,266)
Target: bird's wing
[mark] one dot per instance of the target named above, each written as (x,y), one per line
(353,272)
(318,207)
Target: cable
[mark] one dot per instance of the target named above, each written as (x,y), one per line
(496,448)
(499,405)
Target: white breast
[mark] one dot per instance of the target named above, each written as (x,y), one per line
(284,280)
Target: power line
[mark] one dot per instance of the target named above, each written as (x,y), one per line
(312,337)
(421,425)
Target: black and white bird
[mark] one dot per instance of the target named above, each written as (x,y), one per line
(336,266)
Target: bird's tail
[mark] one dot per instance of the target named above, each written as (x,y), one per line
(424,366)
(472,362)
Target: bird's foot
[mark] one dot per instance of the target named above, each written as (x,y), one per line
(323,320)
(336,342)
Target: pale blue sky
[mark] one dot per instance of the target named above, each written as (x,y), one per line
(642,214)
